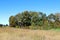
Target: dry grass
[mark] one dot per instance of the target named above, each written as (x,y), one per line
(26,34)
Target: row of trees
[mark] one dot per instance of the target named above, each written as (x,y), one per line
(39,20)
(1,25)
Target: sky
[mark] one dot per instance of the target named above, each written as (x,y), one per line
(12,7)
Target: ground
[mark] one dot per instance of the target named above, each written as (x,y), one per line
(27,34)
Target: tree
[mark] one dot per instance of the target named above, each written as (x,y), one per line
(26,18)
(51,20)
(34,18)
(57,16)
(6,25)
(57,20)
(51,17)
(12,21)
(18,17)
(1,25)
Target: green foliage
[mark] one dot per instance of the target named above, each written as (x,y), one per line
(12,21)
(26,19)
(35,20)
(56,29)
(17,27)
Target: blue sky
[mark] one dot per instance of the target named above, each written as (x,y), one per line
(12,7)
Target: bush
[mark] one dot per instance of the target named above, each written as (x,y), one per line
(17,27)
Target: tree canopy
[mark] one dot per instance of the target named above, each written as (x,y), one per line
(33,18)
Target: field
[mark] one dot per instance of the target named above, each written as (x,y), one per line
(27,34)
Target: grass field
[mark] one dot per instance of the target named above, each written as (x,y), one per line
(56,29)
(27,34)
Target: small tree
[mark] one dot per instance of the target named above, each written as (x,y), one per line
(12,21)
